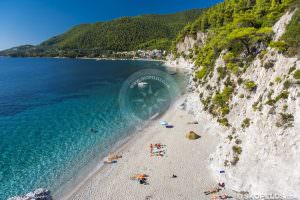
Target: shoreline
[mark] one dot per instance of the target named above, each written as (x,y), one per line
(94,58)
(187,159)
(117,148)
(76,182)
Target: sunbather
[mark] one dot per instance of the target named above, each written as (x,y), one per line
(139,176)
(114,156)
(224,196)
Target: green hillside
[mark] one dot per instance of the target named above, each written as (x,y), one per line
(238,31)
(123,34)
(242,27)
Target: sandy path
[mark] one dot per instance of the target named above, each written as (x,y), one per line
(185,158)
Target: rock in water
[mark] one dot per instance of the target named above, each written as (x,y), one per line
(38,194)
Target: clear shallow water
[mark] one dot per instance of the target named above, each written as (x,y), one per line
(47,110)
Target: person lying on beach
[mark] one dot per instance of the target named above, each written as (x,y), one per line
(142,178)
(225,196)
(112,158)
(156,149)
(212,191)
(139,176)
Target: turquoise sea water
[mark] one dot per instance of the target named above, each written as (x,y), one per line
(59,115)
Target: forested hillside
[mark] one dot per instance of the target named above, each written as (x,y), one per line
(123,34)
(239,26)
(237,31)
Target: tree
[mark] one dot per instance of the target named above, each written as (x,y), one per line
(250,35)
(243,35)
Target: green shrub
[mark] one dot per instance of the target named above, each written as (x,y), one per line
(280,46)
(270,102)
(235,160)
(277,79)
(286,120)
(230,137)
(262,54)
(297,74)
(206,102)
(286,84)
(225,110)
(223,121)
(245,123)
(254,106)
(285,107)
(221,100)
(233,68)
(201,73)
(221,72)
(241,96)
(282,95)
(237,149)
(250,85)
(269,64)
(292,69)
(228,57)
(240,81)
(291,35)
(271,84)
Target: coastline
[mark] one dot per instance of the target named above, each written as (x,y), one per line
(187,159)
(94,58)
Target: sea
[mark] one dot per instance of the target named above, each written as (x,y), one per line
(59,116)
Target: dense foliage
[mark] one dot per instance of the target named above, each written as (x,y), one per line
(123,34)
(238,26)
(292,35)
(237,31)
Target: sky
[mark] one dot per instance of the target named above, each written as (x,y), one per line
(33,21)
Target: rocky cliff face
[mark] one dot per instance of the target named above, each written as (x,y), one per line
(260,147)
(189,42)
(185,49)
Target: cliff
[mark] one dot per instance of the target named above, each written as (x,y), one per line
(256,101)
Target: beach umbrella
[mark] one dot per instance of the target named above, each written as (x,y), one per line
(192,135)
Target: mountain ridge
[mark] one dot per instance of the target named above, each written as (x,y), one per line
(148,31)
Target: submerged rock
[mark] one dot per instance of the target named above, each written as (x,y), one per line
(38,194)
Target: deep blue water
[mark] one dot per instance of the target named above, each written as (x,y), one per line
(59,115)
